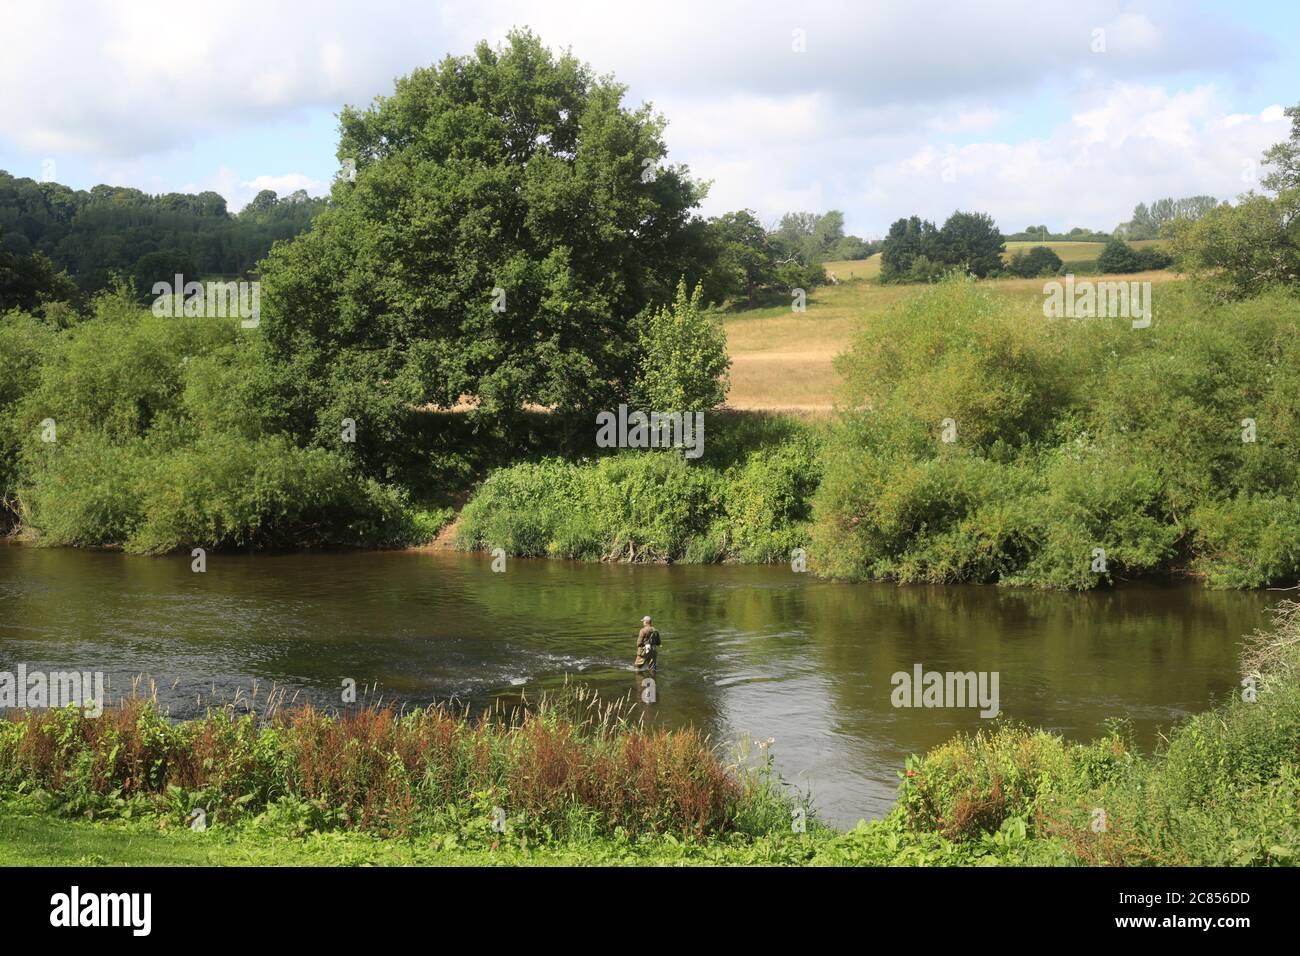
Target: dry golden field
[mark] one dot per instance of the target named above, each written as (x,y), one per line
(784,360)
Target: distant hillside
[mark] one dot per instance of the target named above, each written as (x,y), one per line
(108,229)
(1081,256)
(868,268)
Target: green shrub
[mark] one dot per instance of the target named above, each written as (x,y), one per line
(683,357)
(1100,517)
(1249,541)
(980,442)
(768,502)
(228,491)
(1117,256)
(1038,261)
(972,785)
(161,444)
(957,351)
(952,518)
(85,492)
(653,506)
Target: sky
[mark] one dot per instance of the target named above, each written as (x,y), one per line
(1060,114)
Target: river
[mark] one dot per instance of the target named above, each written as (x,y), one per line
(748,650)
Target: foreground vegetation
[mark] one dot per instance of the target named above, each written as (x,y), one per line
(567,768)
(587,785)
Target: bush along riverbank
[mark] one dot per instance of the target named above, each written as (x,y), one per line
(577,782)
(156,434)
(749,499)
(977,441)
(985,443)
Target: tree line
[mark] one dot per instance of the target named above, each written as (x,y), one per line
(93,235)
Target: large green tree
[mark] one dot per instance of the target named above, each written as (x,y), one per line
(971,240)
(744,259)
(906,241)
(1243,249)
(508,221)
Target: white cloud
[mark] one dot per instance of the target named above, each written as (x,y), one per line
(971,120)
(127,77)
(283,185)
(1137,143)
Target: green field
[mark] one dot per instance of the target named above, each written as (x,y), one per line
(1078,253)
(1071,253)
(867,268)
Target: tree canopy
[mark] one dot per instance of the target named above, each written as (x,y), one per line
(1147,221)
(508,222)
(914,250)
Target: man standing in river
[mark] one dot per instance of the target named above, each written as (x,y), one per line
(647,645)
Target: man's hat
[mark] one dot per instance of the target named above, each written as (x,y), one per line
(646,619)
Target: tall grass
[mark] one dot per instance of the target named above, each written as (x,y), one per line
(571,766)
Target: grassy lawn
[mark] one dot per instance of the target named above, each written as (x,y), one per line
(30,837)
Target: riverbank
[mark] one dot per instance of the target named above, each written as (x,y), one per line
(976,441)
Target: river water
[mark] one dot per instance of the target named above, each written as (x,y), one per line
(748,650)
